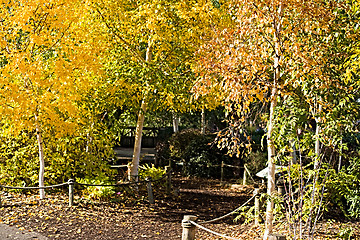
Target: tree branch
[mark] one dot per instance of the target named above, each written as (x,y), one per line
(127,44)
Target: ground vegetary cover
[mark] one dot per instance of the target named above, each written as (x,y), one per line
(138,220)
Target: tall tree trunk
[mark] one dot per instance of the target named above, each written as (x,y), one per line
(271,167)
(317,139)
(176,121)
(41,157)
(316,168)
(134,167)
(340,156)
(293,154)
(203,121)
(271,147)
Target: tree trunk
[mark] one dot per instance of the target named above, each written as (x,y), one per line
(293,154)
(340,156)
(176,121)
(271,167)
(203,121)
(317,139)
(41,158)
(271,147)
(134,167)
(316,168)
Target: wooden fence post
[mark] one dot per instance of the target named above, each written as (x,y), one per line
(150,192)
(71,192)
(188,232)
(168,180)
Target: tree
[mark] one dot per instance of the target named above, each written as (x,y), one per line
(45,68)
(255,53)
(153,46)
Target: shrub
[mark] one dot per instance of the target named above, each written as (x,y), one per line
(344,189)
(180,141)
(203,159)
(155,173)
(197,153)
(97,192)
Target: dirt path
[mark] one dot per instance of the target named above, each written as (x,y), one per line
(107,220)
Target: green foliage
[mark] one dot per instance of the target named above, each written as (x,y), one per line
(97,193)
(81,155)
(196,152)
(179,142)
(19,160)
(346,233)
(203,159)
(344,189)
(155,173)
(245,213)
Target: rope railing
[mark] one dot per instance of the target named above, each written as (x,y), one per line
(30,188)
(232,212)
(109,185)
(189,223)
(85,184)
(71,183)
(210,231)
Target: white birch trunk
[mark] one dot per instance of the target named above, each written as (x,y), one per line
(316,167)
(41,158)
(271,148)
(203,121)
(271,167)
(176,121)
(317,139)
(134,167)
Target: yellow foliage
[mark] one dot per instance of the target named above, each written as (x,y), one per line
(50,60)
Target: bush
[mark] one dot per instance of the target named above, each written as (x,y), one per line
(162,153)
(196,152)
(344,189)
(97,193)
(79,155)
(155,173)
(180,141)
(203,159)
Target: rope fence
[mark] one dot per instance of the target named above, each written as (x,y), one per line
(189,225)
(32,188)
(230,213)
(71,183)
(210,231)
